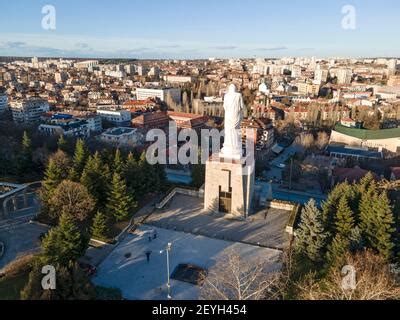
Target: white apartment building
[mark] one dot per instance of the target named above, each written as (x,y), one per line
(344,76)
(86,64)
(160,93)
(178,79)
(321,75)
(115,74)
(28,110)
(74,128)
(117,117)
(122,137)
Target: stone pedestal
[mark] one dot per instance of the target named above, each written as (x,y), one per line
(229,187)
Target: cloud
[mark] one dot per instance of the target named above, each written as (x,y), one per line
(273,48)
(14,44)
(224,47)
(82,45)
(171,46)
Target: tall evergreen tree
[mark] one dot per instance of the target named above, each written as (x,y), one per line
(95,177)
(344,220)
(62,143)
(377,221)
(118,164)
(52,178)
(311,235)
(329,207)
(80,157)
(120,203)
(24,160)
(337,250)
(385,222)
(64,243)
(100,226)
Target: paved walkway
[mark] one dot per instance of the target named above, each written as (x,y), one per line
(185,213)
(127,267)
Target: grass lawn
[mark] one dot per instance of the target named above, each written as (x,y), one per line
(11,286)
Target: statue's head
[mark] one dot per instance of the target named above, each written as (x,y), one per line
(231,88)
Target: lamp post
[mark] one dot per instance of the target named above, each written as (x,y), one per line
(168,249)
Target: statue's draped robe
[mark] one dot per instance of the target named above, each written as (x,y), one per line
(233,105)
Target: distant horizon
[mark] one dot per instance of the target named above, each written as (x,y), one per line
(195,59)
(155,30)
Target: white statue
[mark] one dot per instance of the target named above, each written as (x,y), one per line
(233,106)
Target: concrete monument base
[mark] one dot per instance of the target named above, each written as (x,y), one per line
(229,186)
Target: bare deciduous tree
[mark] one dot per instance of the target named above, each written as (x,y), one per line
(373,281)
(235,278)
(322,140)
(73,199)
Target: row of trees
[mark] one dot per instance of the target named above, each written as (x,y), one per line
(356,227)
(355,216)
(101,187)
(82,195)
(356,220)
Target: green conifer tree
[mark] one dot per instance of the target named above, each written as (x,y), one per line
(311,235)
(120,203)
(344,220)
(100,226)
(64,243)
(78,164)
(95,177)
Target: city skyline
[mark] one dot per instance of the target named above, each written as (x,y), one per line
(184,30)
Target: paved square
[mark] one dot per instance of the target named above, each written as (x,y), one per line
(185,213)
(20,237)
(140,280)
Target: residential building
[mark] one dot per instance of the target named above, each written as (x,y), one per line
(178,79)
(120,118)
(151,120)
(122,137)
(28,110)
(159,93)
(3,102)
(73,128)
(344,76)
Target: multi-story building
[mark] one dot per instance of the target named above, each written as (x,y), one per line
(178,79)
(394,81)
(86,64)
(73,128)
(120,118)
(160,93)
(264,132)
(3,102)
(321,76)
(122,137)
(308,89)
(151,120)
(28,110)
(344,76)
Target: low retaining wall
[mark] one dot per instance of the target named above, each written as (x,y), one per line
(188,192)
(288,206)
